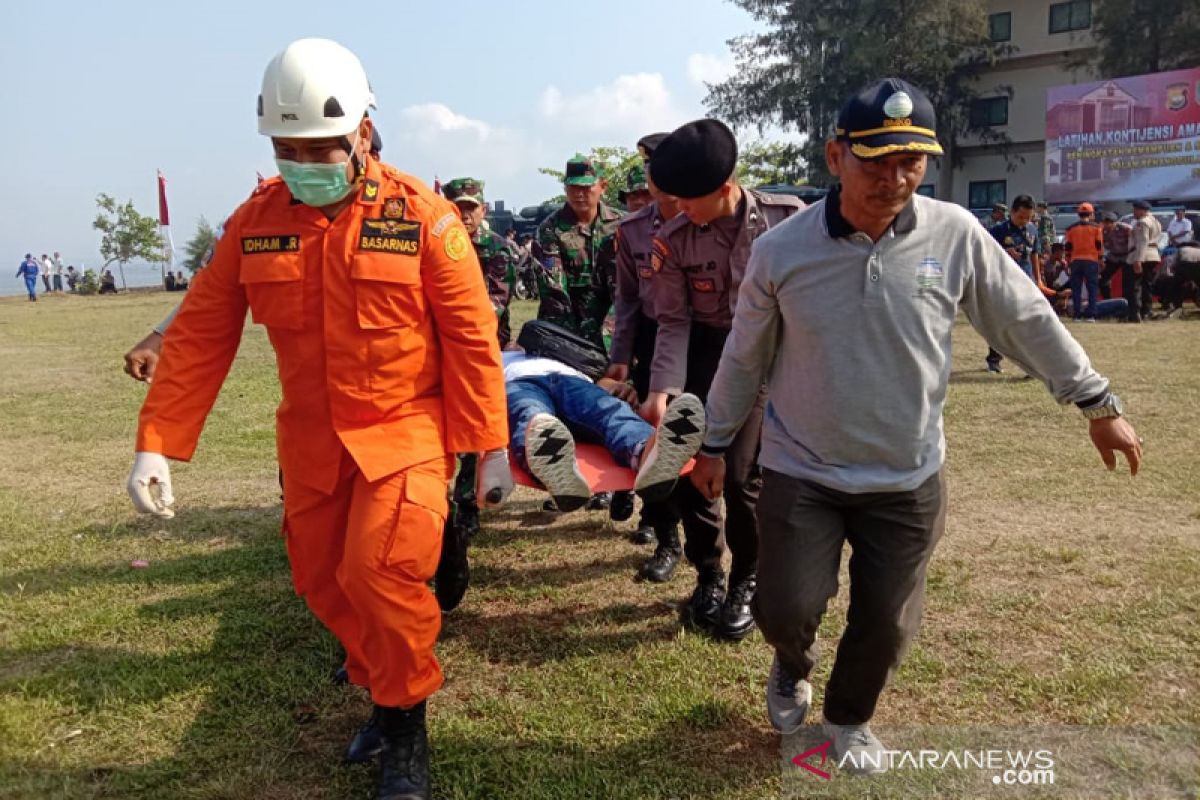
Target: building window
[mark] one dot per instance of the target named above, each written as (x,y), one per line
(988,112)
(1000,26)
(1073,16)
(985,194)
(925,189)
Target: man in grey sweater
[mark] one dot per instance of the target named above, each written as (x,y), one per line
(847,311)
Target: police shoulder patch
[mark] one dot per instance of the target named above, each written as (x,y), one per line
(658,254)
(457,244)
(271,243)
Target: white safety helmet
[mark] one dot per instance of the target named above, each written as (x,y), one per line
(313,89)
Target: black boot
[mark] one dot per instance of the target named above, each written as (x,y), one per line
(703,608)
(736,619)
(404,760)
(661,566)
(454,570)
(599,501)
(644,533)
(366,743)
(621,506)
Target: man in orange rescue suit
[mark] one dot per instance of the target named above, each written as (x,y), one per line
(701,256)
(386,346)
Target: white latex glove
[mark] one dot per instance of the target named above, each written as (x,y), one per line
(493,479)
(150,485)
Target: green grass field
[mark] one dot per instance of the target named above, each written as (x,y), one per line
(1064,606)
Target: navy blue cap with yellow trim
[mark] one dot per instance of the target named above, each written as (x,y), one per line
(889,116)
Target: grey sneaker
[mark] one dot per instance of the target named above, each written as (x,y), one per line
(788,699)
(550,452)
(677,439)
(864,754)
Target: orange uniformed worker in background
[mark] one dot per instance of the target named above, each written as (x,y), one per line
(387,354)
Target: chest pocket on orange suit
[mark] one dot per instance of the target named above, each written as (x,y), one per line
(387,289)
(274,288)
(706,291)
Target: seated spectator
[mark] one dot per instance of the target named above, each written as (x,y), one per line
(72,278)
(550,403)
(1185,279)
(169,281)
(181,282)
(108,284)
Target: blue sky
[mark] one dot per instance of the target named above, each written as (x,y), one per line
(97,96)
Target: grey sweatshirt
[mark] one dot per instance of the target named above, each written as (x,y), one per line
(853,337)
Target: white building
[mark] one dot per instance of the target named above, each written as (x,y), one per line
(1045,36)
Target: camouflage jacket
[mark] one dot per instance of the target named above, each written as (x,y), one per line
(498,258)
(577,270)
(1046,233)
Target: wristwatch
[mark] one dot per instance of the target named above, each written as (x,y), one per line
(1110,406)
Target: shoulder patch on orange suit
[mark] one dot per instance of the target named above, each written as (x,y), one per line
(457,244)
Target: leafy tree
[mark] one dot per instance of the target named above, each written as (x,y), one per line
(199,246)
(126,235)
(766,163)
(616,163)
(811,56)
(1135,37)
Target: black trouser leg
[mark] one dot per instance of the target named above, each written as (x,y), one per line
(1129,290)
(1146,287)
(743,481)
(1108,270)
(892,536)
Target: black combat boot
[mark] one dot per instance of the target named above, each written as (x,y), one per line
(703,608)
(661,566)
(367,741)
(736,619)
(404,759)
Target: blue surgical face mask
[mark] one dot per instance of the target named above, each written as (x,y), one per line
(316,185)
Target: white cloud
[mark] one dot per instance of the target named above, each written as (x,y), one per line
(630,105)
(705,68)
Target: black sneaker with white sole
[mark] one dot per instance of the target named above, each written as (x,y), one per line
(550,453)
(677,439)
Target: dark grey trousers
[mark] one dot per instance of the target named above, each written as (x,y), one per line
(802,527)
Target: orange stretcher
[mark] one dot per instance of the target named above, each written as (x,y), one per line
(598,468)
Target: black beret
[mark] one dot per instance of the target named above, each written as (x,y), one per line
(695,160)
(646,144)
(376,141)
(1110,216)
(1142,204)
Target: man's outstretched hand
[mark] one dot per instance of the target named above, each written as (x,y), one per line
(1112,435)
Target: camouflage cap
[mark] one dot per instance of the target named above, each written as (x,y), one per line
(635,181)
(468,189)
(581,171)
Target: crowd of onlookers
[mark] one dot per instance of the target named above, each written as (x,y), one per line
(59,279)
(1076,270)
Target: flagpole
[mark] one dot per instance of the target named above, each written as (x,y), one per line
(164,231)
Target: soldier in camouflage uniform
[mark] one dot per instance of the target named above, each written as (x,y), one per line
(574,248)
(497,257)
(1047,235)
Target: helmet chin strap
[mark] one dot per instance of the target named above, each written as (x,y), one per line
(359,169)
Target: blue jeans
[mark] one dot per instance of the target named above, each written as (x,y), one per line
(1083,270)
(31,285)
(590,413)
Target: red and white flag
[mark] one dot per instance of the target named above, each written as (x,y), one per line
(164,223)
(164,219)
